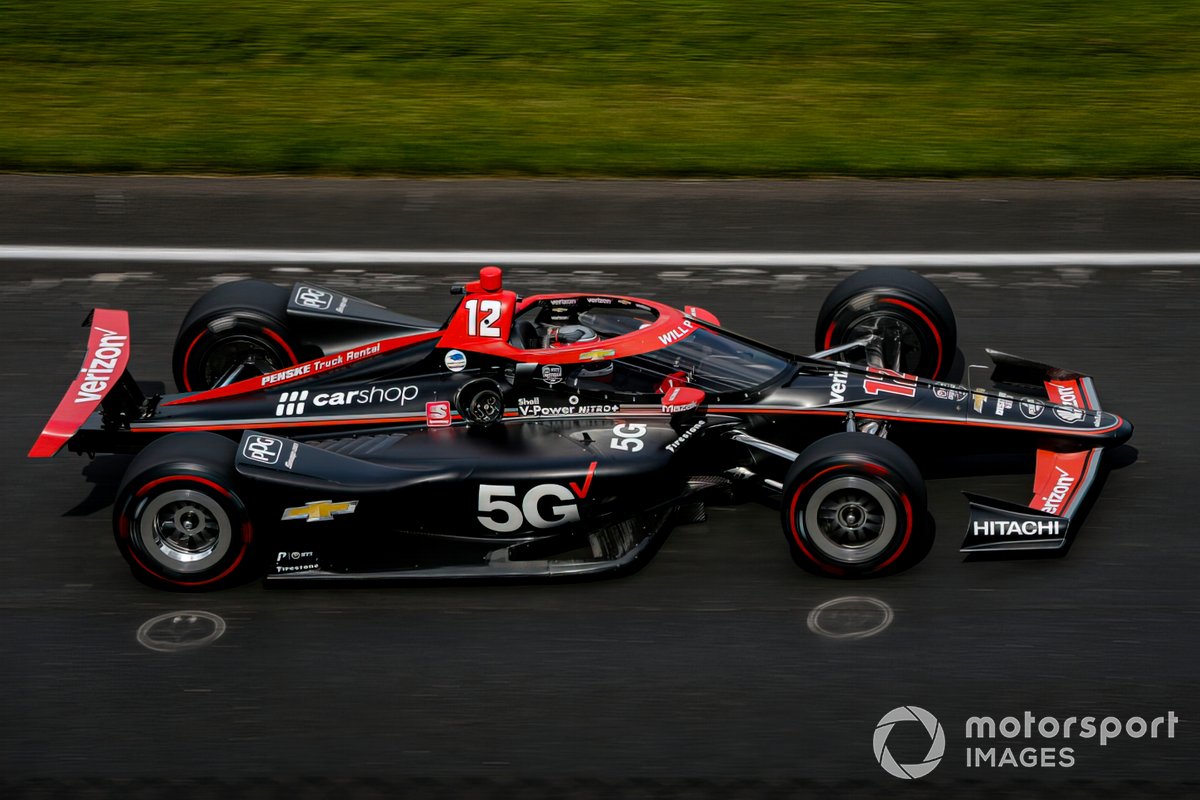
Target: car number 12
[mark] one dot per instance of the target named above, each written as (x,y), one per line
(485,325)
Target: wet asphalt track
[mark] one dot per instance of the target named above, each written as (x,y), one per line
(701,667)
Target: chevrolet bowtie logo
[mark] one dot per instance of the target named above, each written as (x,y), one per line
(597,355)
(319,510)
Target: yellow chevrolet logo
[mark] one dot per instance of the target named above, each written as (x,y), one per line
(596,355)
(319,510)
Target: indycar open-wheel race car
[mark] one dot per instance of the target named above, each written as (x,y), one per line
(318,437)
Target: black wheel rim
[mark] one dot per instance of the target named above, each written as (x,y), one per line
(231,351)
(896,343)
(850,519)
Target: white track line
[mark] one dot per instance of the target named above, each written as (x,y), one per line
(567,258)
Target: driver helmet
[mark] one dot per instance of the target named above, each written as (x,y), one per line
(567,335)
(572,334)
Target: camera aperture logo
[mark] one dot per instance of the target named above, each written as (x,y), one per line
(937,742)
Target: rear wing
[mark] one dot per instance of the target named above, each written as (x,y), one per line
(103,380)
(1061,480)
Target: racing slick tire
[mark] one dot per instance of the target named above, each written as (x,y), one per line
(917,324)
(854,505)
(231,324)
(177,519)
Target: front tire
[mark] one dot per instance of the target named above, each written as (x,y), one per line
(235,323)
(178,520)
(911,318)
(854,505)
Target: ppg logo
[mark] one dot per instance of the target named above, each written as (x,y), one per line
(316,299)
(263,449)
(291,403)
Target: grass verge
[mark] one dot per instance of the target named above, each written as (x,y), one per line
(602,87)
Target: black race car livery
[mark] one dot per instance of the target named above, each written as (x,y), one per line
(316,436)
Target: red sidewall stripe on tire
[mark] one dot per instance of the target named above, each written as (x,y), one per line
(835,570)
(792,521)
(187,384)
(937,337)
(279,339)
(247,532)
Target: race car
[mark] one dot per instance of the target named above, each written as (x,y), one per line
(320,437)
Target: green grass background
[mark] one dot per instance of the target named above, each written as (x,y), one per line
(602,87)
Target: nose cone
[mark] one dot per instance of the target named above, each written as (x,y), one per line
(1119,434)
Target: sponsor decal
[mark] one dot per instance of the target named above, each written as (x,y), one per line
(263,449)
(1031,407)
(498,513)
(397,393)
(1012,527)
(319,510)
(949,391)
(437,414)
(1068,415)
(628,437)
(291,459)
(532,407)
(597,355)
(552,374)
(341,309)
(837,386)
(98,372)
(600,301)
(296,561)
(286,374)
(291,403)
(675,334)
(1052,501)
(681,398)
(316,299)
(1068,397)
(1003,403)
(683,437)
(909,714)
(456,361)
(978,400)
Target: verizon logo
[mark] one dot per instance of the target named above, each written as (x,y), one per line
(1052,501)
(99,371)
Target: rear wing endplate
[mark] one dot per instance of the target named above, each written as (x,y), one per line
(102,380)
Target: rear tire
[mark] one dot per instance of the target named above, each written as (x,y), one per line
(233,323)
(177,519)
(854,505)
(911,314)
